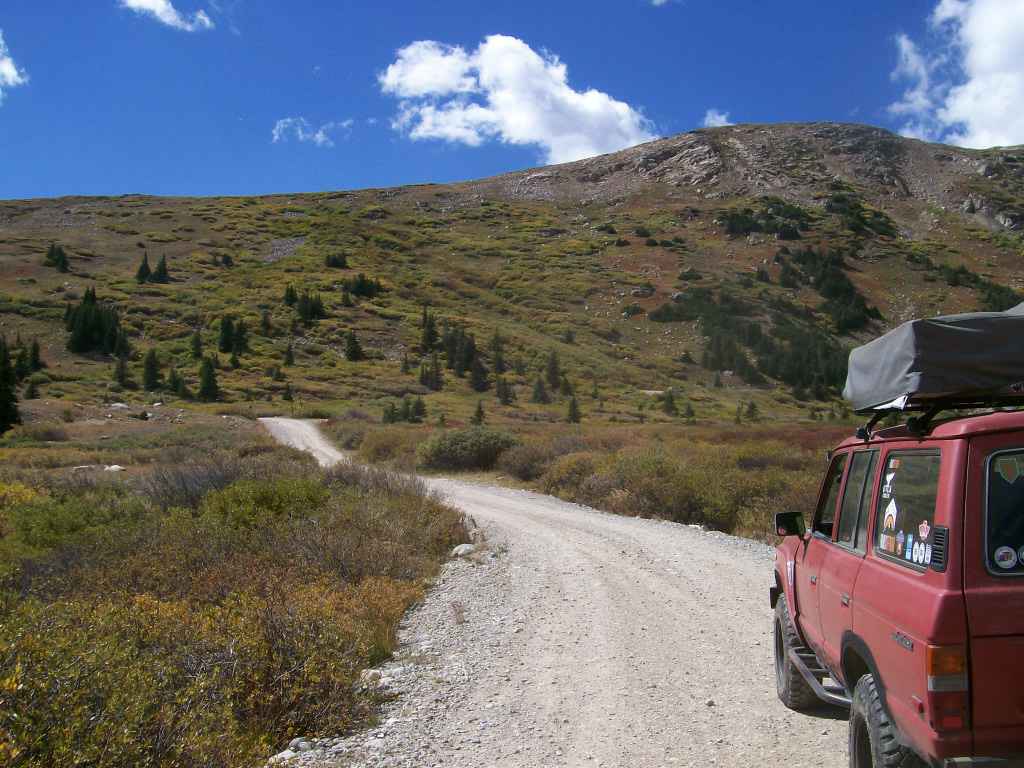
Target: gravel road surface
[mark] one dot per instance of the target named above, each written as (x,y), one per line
(579,638)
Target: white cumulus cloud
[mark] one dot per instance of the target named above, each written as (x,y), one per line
(165,12)
(300,129)
(10,74)
(505,91)
(967,85)
(716,118)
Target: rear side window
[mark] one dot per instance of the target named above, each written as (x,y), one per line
(856,499)
(905,515)
(1004,533)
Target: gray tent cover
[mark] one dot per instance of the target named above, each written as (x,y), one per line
(956,356)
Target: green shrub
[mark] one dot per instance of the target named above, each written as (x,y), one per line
(250,503)
(564,476)
(526,462)
(465,449)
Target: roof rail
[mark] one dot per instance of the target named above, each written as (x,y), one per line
(926,410)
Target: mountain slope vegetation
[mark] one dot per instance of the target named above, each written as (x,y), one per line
(724,266)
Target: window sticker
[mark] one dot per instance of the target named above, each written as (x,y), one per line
(910,547)
(923,530)
(1008,468)
(1005,558)
(900,538)
(888,539)
(894,464)
(887,488)
(1020,555)
(927,554)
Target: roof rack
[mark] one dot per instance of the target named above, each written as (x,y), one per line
(926,409)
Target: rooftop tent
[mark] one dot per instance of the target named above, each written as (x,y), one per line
(968,358)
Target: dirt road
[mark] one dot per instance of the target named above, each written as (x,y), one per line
(584,638)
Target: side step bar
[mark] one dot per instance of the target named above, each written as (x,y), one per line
(805,661)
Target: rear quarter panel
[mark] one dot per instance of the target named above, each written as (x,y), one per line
(898,611)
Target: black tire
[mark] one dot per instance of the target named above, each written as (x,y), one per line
(793,690)
(873,742)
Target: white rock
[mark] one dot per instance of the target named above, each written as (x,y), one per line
(463,550)
(113,468)
(282,757)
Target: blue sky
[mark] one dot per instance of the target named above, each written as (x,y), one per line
(258,96)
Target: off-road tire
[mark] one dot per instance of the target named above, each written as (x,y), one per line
(873,742)
(793,690)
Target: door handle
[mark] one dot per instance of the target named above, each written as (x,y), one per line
(814,579)
(844,599)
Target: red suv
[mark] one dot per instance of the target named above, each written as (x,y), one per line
(905,599)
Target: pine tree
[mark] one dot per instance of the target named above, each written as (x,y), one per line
(566,387)
(752,411)
(405,412)
(22,367)
(266,326)
(31,390)
(353,349)
(498,353)
(227,334)
(668,404)
(208,390)
(151,371)
(55,257)
(35,360)
(173,379)
(478,417)
(142,274)
(573,415)
(738,418)
(289,355)
(553,371)
(478,379)
(390,415)
(197,345)
(233,361)
(430,375)
(505,392)
(405,363)
(290,298)
(9,415)
(540,392)
(287,393)
(419,410)
(346,299)
(428,331)
(688,411)
(240,338)
(121,371)
(160,274)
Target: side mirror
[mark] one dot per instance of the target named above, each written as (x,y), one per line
(790,524)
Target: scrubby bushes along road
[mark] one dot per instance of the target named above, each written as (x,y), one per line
(205,613)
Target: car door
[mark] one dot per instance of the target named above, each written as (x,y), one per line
(838,572)
(817,542)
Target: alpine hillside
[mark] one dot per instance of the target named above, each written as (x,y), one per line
(722,267)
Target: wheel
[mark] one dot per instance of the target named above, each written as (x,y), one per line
(793,690)
(873,742)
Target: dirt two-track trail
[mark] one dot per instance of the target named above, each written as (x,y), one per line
(582,639)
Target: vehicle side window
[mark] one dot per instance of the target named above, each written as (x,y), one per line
(856,499)
(905,513)
(1004,534)
(825,515)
